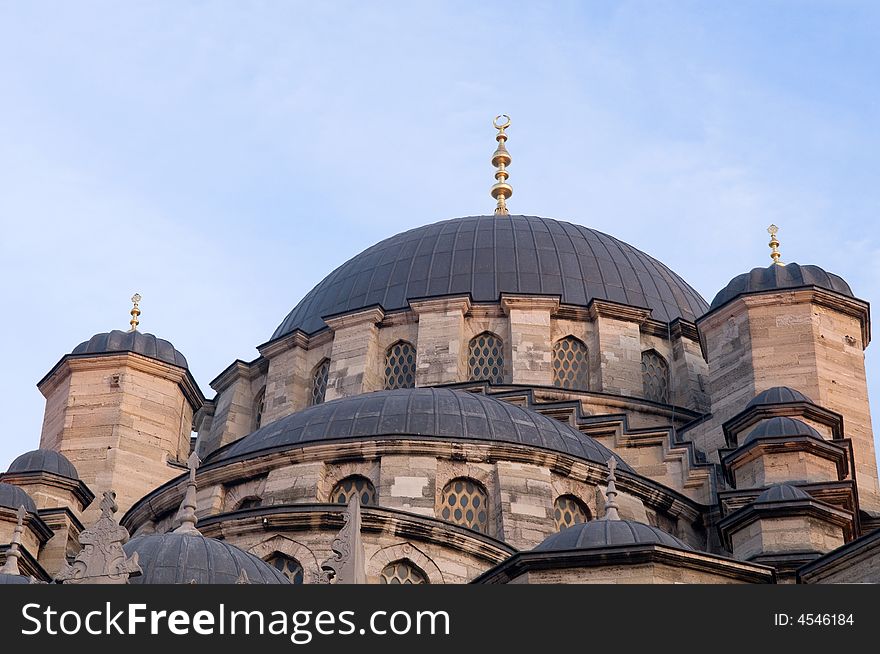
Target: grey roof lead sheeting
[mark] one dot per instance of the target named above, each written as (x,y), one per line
(782,493)
(138,342)
(185,558)
(778,395)
(44,461)
(781,426)
(607,533)
(791,275)
(12,497)
(433,413)
(485,256)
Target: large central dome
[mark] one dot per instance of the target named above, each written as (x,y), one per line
(485,256)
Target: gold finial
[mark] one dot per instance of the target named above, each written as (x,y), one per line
(774,246)
(135,312)
(501,160)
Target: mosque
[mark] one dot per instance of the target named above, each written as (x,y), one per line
(491,399)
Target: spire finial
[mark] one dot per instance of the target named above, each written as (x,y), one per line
(611,492)
(14,552)
(135,312)
(187,512)
(501,160)
(774,246)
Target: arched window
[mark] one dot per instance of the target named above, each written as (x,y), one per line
(486,358)
(259,407)
(355,485)
(400,366)
(248,503)
(655,377)
(319,381)
(571,367)
(465,502)
(289,567)
(569,510)
(402,571)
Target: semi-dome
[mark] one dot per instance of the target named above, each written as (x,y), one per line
(183,558)
(485,256)
(780,427)
(782,493)
(44,461)
(427,413)
(778,395)
(12,497)
(608,533)
(777,277)
(132,341)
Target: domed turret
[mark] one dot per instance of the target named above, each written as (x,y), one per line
(117,341)
(778,277)
(44,461)
(781,427)
(777,395)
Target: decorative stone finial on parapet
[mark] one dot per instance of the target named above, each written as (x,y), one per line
(501,160)
(611,492)
(10,567)
(187,512)
(347,565)
(135,312)
(102,559)
(774,246)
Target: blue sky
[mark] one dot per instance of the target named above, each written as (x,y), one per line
(222,157)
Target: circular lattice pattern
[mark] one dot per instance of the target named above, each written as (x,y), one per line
(354,486)
(400,366)
(465,503)
(288,566)
(486,358)
(570,364)
(569,510)
(402,572)
(655,377)
(319,381)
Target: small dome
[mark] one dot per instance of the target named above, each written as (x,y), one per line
(782,493)
(44,461)
(12,497)
(13,579)
(176,558)
(414,413)
(774,277)
(605,533)
(781,426)
(778,395)
(137,342)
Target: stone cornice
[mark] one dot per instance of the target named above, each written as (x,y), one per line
(544,303)
(75,487)
(61,516)
(32,521)
(606,309)
(625,555)
(289,341)
(830,450)
(371,315)
(27,564)
(70,363)
(239,369)
(841,494)
(742,518)
(840,559)
(445,304)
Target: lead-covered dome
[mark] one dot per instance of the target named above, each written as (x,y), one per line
(782,493)
(44,461)
(176,558)
(781,426)
(777,277)
(413,413)
(485,256)
(132,341)
(12,497)
(778,395)
(608,533)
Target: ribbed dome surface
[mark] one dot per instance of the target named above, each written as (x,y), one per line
(485,256)
(186,558)
(44,461)
(607,533)
(137,342)
(778,395)
(782,493)
(12,497)
(430,413)
(781,426)
(774,277)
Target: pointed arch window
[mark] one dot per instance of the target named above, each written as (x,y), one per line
(568,511)
(403,572)
(466,503)
(571,365)
(655,377)
(400,366)
(486,358)
(319,382)
(354,485)
(288,566)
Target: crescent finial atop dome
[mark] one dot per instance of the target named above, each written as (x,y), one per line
(774,245)
(501,190)
(135,312)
